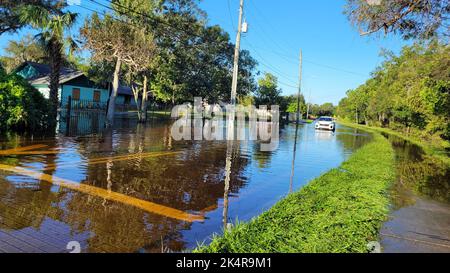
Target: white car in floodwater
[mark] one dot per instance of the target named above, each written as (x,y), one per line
(325,123)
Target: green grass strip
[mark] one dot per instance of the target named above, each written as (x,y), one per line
(341,211)
(435,148)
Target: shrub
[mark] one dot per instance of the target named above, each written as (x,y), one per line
(22,107)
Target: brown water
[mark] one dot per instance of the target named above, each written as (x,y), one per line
(40,213)
(420,217)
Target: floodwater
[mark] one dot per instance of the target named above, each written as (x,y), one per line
(135,189)
(420,213)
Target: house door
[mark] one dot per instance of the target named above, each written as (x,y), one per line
(76,94)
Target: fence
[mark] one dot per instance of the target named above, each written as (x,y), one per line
(83,105)
(82,117)
(121,108)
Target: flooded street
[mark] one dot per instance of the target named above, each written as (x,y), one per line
(420,213)
(135,189)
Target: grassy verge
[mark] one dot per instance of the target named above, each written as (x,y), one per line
(341,211)
(436,150)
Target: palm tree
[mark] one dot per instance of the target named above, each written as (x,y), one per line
(52,25)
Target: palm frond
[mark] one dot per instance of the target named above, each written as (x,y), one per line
(43,40)
(71,44)
(69,19)
(37,17)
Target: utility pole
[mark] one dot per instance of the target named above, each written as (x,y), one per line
(236,55)
(309,104)
(291,184)
(231,117)
(299,87)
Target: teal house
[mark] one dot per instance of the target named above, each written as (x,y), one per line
(72,83)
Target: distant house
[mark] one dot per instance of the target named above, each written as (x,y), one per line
(125,96)
(72,83)
(125,100)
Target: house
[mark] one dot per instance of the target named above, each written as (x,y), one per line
(72,83)
(125,100)
(125,96)
(77,85)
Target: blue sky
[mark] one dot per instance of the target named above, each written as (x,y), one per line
(336,57)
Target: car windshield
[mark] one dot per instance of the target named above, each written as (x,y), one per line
(325,119)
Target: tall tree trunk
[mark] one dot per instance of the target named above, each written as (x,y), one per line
(135,90)
(112,97)
(55,66)
(143,118)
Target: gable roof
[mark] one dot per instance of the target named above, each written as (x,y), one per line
(66,75)
(63,78)
(125,90)
(43,73)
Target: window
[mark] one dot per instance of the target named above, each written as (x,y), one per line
(96,96)
(127,100)
(76,94)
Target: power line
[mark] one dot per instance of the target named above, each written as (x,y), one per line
(231,17)
(145,16)
(334,68)
(165,31)
(263,62)
(287,57)
(270,67)
(294,61)
(265,20)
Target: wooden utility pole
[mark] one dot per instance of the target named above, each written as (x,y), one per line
(299,87)
(308,104)
(291,187)
(231,117)
(236,55)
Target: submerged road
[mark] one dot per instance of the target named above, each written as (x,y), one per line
(419,221)
(423,227)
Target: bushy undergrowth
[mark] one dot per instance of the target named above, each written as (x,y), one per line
(21,106)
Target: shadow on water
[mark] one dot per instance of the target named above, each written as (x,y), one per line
(419,172)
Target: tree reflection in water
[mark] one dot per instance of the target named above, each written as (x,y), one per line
(199,177)
(190,181)
(419,172)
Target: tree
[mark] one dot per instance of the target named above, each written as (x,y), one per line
(115,41)
(24,50)
(421,19)
(52,26)
(289,104)
(326,109)
(409,92)
(268,92)
(195,59)
(10,12)
(141,67)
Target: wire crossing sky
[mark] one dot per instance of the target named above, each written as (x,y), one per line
(335,57)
